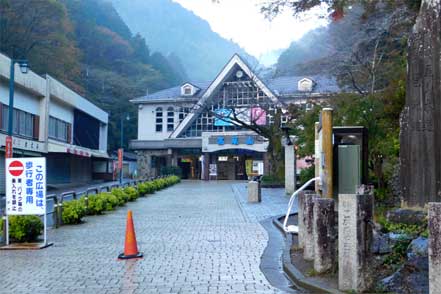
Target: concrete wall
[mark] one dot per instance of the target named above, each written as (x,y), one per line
(104,129)
(71,98)
(23,100)
(30,81)
(61,110)
(147,122)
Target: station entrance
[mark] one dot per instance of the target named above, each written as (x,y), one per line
(234,164)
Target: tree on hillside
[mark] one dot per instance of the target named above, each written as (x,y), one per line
(272,8)
(40,31)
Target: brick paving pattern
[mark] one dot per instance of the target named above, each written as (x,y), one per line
(197,237)
(274,202)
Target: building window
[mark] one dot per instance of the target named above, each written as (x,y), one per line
(159,119)
(170,119)
(23,122)
(187,90)
(59,130)
(183,111)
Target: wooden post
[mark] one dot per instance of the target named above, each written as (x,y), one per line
(327,149)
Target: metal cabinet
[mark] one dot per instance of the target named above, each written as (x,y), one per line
(349,169)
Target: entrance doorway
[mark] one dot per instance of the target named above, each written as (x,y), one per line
(190,166)
(231,164)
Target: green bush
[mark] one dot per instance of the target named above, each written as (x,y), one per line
(272,180)
(132,193)
(146,188)
(157,184)
(73,212)
(121,195)
(25,228)
(160,184)
(306,174)
(398,254)
(96,205)
(110,200)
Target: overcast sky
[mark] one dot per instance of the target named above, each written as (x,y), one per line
(241,21)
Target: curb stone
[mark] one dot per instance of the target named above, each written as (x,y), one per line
(292,272)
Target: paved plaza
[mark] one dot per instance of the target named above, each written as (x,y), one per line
(197,237)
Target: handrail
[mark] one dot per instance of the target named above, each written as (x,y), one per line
(55,209)
(73,193)
(90,190)
(293,228)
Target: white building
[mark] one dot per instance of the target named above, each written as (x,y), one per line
(176,129)
(53,121)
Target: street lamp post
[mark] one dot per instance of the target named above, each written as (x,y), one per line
(24,67)
(125,116)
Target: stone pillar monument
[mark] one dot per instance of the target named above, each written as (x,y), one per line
(290,169)
(323,235)
(308,225)
(354,241)
(420,138)
(300,205)
(434,248)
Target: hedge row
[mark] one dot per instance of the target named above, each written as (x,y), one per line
(75,210)
(28,228)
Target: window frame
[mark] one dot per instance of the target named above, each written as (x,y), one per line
(159,120)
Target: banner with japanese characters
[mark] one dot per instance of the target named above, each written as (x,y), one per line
(25,186)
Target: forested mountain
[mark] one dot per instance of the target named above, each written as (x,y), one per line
(171,29)
(86,45)
(367,40)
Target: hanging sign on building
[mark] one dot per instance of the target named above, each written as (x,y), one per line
(25,186)
(222,117)
(120,158)
(258,116)
(8,147)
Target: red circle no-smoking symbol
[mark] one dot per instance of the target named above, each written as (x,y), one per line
(16,168)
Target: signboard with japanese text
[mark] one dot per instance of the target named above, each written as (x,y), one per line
(222,117)
(120,158)
(8,147)
(258,116)
(258,167)
(213,170)
(25,186)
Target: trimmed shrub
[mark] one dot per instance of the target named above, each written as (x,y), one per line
(158,184)
(96,205)
(146,188)
(121,195)
(110,200)
(132,193)
(25,228)
(73,212)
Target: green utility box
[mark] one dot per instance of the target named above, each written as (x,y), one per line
(349,169)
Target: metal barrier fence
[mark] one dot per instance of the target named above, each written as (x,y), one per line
(54,202)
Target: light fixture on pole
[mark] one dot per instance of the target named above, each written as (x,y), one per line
(286,140)
(24,69)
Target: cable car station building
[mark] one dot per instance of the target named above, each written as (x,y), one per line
(180,126)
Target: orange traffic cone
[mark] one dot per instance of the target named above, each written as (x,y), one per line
(130,246)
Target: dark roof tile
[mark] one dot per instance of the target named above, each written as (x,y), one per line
(279,86)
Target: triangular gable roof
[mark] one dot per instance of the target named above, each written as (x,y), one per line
(216,84)
(189,83)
